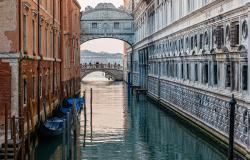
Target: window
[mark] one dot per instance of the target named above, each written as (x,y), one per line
(188,76)
(234,39)
(51,44)
(25,36)
(215,74)
(182,74)
(244,77)
(196,72)
(176,70)
(219,36)
(40,40)
(94,25)
(34,36)
(228,76)
(46,42)
(192,42)
(25,91)
(116,25)
(201,41)
(59,46)
(205,73)
(41,86)
(33,87)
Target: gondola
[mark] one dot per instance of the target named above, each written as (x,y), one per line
(52,127)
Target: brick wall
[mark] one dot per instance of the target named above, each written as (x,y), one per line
(5,88)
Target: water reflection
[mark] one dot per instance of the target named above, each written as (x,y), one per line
(125,129)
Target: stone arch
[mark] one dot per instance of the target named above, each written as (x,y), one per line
(90,38)
(115,75)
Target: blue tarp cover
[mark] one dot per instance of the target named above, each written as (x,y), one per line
(78,103)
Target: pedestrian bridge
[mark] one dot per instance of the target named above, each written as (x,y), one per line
(112,71)
(106,21)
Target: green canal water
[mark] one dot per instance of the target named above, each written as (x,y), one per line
(120,128)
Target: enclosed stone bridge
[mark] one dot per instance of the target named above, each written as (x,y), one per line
(112,71)
(106,21)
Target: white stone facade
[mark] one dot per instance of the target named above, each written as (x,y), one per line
(194,54)
(106,21)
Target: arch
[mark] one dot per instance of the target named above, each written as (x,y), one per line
(116,72)
(101,37)
(106,21)
(114,76)
(242,48)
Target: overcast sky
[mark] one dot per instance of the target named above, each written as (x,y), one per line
(107,45)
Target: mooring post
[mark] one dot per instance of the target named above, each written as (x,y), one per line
(28,133)
(63,141)
(91,103)
(68,135)
(14,137)
(6,132)
(85,121)
(231,128)
(91,100)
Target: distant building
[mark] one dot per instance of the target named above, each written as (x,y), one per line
(39,54)
(70,48)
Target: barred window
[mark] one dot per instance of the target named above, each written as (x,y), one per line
(116,25)
(182,69)
(205,73)
(228,76)
(188,76)
(244,77)
(201,41)
(94,25)
(215,74)
(196,78)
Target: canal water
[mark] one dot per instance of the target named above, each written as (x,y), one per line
(123,129)
(120,128)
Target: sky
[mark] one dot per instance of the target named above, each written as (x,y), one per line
(98,45)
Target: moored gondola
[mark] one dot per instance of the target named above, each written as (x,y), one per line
(52,127)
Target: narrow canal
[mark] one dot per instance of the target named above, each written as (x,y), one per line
(122,128)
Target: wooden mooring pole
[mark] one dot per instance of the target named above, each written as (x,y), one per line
(85,120)
(63,141)
(231,128)
(6,131)
(14,135)
(91,109)
(67,133)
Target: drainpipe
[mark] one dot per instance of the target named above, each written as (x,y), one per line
(20,58)
(60,50)
(53,86)
(39,61)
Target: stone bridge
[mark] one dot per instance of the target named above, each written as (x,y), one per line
(107,21)
(112,71)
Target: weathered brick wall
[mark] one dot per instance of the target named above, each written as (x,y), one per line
(5,88)
(30,73)
(9,28)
